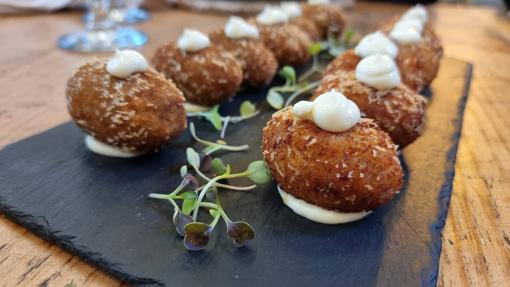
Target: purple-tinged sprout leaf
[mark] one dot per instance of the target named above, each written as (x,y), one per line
(205,163)
(240,232)
(180,221)
(196,235)
(192,179)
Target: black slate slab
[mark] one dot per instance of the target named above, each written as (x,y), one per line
(97,208)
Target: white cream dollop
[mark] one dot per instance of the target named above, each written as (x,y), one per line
(407,32)
(376,43)
(272,15)
(125,63)
(378,71)
(418,12)
(193,40)
(319,214)
(293,9)
(331,111)
(106,149)
(318,2)
(238,28)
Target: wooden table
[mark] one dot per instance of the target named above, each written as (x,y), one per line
(476,245)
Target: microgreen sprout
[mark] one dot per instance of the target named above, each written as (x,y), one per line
(195,196)
(275,95)
(313,50)
(337,45)
(247,110)
(212,147)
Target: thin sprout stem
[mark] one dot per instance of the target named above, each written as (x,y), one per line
(221,185)
(237,119)
(159,196)
(224,127)
(209,185)
(209,143)
(176,207)
(303,90)
(215,220)
(209,205)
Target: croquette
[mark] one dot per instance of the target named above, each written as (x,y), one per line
(139,114)
(350,171)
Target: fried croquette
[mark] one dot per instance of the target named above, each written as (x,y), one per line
(138,114)
(328,18)
(288,43)
(399,111)
(308,26)
(206,77)
(351,171)
(258,63)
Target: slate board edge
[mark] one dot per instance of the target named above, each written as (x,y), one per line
(436,229)
(39,226)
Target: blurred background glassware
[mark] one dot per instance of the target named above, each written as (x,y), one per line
(128,11)
(101,33)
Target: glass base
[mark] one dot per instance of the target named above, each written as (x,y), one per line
(103,40)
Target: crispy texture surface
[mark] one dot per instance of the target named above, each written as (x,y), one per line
(258,63)
(350,171)
(140,113)
(328,18)
(308,26)
(288,43)
(400,111)
(206,77)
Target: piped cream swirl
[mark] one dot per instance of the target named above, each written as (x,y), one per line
(331,111)
(272,15)
(378,71)
(238,28)
(125,63)
(376,43)
(192,40)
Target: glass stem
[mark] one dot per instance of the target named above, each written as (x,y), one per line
(99,20)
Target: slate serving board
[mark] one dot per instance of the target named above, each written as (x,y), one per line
(97,208)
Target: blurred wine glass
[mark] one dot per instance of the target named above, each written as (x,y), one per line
(101,33)
(128,12)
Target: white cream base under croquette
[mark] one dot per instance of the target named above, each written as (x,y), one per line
(318,214)
(192,108)
(106,149)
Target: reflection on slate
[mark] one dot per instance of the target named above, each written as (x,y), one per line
(97,208)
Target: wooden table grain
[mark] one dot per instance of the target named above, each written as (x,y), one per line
(476,238)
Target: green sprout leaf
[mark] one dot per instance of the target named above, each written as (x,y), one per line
(275,99)
(193,157)
(289,74)
(258,172)
(183,171)
(215,118)
(348,35)
(315,48)
(247,109)
(213,212)
(188,205)
(218,167)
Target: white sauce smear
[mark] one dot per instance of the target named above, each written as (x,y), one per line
(319,214)
(106,149)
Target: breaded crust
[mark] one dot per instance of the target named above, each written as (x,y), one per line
(140,113)
(258,62)
(288,43)
(344,62)
(308,26)
(206,77)
(350,171)
(328,18)
(399,111)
